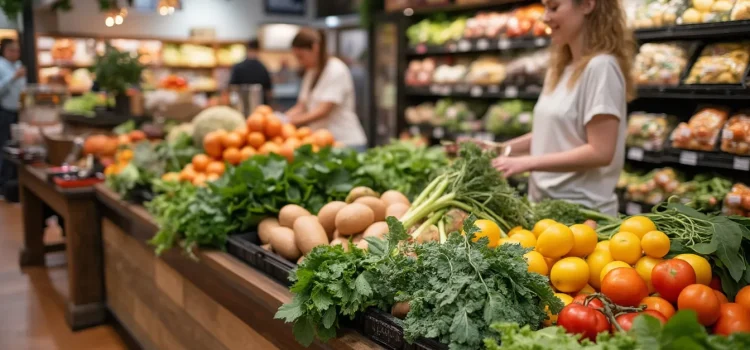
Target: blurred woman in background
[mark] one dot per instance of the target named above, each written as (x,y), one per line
(12,82)
(327,98)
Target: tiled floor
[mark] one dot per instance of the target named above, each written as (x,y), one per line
(32,313)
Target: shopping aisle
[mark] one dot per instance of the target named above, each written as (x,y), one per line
(31,304)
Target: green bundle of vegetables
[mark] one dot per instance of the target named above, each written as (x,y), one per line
(403,166)
(509,118)
(705,192)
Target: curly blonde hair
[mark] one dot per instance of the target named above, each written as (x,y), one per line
(605,32)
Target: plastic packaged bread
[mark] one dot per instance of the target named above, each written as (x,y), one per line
(741,10)
(648,131)
(660,63)
(706,11)
(735,137)
(721,63)
(737,201)
(701,132)
(658,13)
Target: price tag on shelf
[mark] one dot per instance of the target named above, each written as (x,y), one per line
(493,89)
(485,136)
(438,132)
(511,91)
(503,44)
(633,208)
(451,47)
(446,90)
(483,44)
(414,130)
(464,45)
(434,89)
(635,153)
(741,163)
(688,158)
(461,89)
(540,42)
(476,91)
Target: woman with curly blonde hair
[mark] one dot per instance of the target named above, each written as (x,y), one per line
(577,142)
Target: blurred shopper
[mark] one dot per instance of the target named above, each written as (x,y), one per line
(327,98)
(252,71)
(12,83)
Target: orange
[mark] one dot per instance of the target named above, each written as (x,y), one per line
(242,131)
(323,138)
(256,139)
(287,151)
(308,140)
(278,140)
(268,148)
(303,132)
(288,130)
(264,109)
(216,167)
(187,174)
(743,297)
(293,142)
(273,127)
(212,177)
(199,179)
(256,122)
(212,144)
(233,140)
(200,162)
(232,155)
(171,177)
(247,152)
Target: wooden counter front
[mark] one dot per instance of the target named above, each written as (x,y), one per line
(173,302)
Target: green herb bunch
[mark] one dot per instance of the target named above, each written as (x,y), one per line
(116,70)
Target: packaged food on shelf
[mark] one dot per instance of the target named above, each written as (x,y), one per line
(701,132)
(486,25)
(737,201)
(706,11)
(658,13)
(449,74)
(486,70)
(648,131)
(741,10)
(653,187)
(509,118)
(419,72)
(434,32)
(420,114)
(461,116)
(527,21)
(189,55)
(704,192)
(720,63)
(735,138)
(528,69)
(660,63)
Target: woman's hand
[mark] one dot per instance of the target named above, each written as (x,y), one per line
(510,166)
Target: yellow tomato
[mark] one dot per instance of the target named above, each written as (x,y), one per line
(603,245)
(506,240)
(514,230)
(584,240)
(655,244)
(525,237)
(700,265)
(488,229)
(550,262)
(555,241)
(171,177)
(124,156)
(542,225)
(586,290)
(638,225)
(566,299)
(569,274)
(611,266)
(596,261)
(536,263)
(644,267)
(625,246)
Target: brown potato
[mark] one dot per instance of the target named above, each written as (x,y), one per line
(327,216)
(354,218)
(282,242)
(308,233)
(264,229)
(377,206)
(359,192)
(396,210)
(377,229)
(392,197)
(289,213)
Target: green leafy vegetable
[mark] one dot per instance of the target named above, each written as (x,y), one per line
(515,337)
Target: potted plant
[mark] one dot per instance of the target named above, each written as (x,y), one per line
(116,71)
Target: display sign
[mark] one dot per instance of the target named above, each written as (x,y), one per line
(285,7)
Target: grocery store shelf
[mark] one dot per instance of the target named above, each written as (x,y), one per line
(696,91)
(695,31)
(714,160)
(478,46)
(452,7)
(440,133)
(474,91)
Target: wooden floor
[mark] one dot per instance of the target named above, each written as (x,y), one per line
(32,313)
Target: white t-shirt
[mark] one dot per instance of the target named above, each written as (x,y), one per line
(334,85)
(560,118)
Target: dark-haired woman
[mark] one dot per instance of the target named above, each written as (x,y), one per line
(12,82)
(326,99)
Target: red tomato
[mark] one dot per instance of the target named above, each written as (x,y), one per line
(670,277)
(701,299)
(659,304)
(722,298)
(581,298)
(715,283)
(656,314)
(734,318)
(624,286)
(626,320)
(579,319)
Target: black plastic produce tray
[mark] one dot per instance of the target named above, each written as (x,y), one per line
(245,247)
(385,330)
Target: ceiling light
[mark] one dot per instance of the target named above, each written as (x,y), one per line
(119,20)
(109,21)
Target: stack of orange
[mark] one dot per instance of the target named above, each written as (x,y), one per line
(201,170)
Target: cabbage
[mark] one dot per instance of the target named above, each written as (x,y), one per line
(215,118)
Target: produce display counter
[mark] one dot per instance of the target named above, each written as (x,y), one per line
(173,301)
(77,207)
